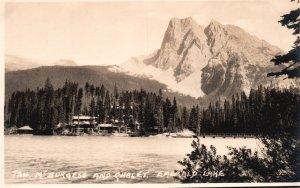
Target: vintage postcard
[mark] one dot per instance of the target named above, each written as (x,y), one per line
(164,93)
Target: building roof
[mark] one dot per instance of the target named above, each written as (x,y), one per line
(25,128)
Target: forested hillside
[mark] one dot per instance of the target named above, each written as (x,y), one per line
(97,75)
(265,110)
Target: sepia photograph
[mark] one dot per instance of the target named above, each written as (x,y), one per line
(161,93)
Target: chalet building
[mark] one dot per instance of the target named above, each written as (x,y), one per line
(155,129)
(82,124)
(87,124)
(25,130)
(107,128)
(133,126)
(120,123)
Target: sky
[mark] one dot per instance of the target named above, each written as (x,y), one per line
(99,33)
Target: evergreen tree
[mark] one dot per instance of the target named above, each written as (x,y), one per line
(292,58)
(107,106)
(158,113)
(116,92)
(79,101)
(100,111)
(92,108)
(102,92)
(174,116)
(87,88)
(167,113)
(92,90)
(184,118)
(149,120)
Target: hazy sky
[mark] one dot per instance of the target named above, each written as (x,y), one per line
(112,32)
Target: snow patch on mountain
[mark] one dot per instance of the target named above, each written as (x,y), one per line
(135,68)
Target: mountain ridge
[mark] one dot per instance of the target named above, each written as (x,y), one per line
(14,63)
(223,59)
(209,62)
(96,75)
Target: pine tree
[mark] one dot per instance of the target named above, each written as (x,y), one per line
(167,112)
(49,107)
(79,101)
(292,58)
(102,92)
(92,90)
(87,88)
(107,108)
(194,118)
(149,120)
(92,108)
(158,113)
(101,111)
(184,118)
(116,92)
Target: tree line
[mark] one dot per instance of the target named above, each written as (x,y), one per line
(263,110)
(46,107)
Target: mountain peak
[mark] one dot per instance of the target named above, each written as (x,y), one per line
(175,19)
(215,22)
(184,22)
(213,26)
(180,35)
(215,60)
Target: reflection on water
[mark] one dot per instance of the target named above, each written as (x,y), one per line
(96,159)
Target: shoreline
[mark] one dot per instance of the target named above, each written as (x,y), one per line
(143,136)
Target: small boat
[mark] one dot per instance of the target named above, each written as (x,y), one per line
(183,134)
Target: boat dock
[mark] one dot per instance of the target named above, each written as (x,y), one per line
(227,135)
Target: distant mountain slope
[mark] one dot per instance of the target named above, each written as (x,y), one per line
(97,75)
(13,63)
(216,60)
(210,62)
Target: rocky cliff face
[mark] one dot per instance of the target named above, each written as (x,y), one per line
(224,59)
(184,49)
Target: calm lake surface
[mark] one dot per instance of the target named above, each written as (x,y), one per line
(99,159)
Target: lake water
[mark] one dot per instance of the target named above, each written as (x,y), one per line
(97,159)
